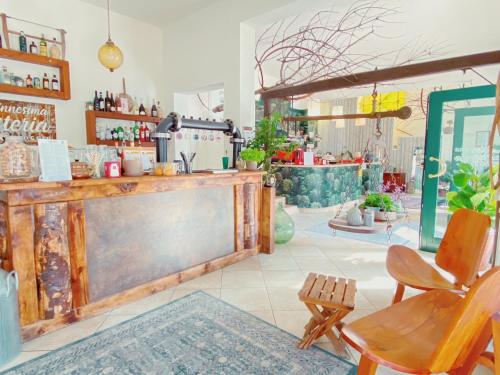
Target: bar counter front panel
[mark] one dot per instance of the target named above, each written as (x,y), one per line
(84,247)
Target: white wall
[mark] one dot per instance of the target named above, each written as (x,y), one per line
(216,46)
(86,28)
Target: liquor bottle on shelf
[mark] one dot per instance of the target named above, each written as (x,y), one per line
(154,110)
(1,45)
(120,133)
(109,136)
(36,83)
(142,110)
(112,104)
(142,132)
(23,47)
(135,108)
(43,46)
(46,83)
(114,134)
(55,83)
(102,106)
(131,134)
(29,81)
(96,101)
(147,133)
(126,133)
(54,50)
(118,104)
(125,105)
(107,103)
(160,110)
(136,132)
(33,48)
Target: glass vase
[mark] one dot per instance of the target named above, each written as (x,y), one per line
(284,227)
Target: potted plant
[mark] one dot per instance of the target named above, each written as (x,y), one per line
(252,157)
(382,205)
(285,151)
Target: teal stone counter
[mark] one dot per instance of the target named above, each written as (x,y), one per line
(321,186)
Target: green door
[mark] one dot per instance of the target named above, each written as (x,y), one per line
(458,125)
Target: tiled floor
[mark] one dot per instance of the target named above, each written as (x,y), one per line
(265,285)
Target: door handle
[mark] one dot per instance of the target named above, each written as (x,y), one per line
(442,168)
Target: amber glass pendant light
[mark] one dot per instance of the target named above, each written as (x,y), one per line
(110,56)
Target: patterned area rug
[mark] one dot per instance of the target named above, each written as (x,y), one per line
(197,334)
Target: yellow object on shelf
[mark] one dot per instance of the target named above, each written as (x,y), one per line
(390,101)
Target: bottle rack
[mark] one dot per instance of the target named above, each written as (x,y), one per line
(62,65)
(91,125)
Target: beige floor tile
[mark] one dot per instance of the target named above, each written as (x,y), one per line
(318,265)
(249,264)
(285,299)
(278,263)
(179,293)
(292,321)
(248,299)
(265,315)
(145,304)
(242,279)
(306,251)
(63,336)
(284,279)
(210,280)
(23,357)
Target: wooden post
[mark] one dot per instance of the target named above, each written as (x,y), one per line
(78,253)
(5,256)
(52,260)
(20,237)
(267,224)
(250,226)
(239,235)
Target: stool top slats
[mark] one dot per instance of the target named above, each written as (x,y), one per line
(350,293)
(338,293)
(308,284)
(328,289)
(318,287)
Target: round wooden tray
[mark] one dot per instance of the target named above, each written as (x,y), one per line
(341,224)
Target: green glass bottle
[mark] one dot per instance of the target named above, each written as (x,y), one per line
(136,132)
(284,227)
(43,47)
(23,46)
(121,133)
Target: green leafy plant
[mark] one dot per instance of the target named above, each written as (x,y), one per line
(473,190)
(268,138)
(382,201)
(288,147)
(253,154)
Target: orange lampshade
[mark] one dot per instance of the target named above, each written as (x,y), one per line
(110,55)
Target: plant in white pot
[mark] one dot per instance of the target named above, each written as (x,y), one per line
(382,204)
(253,157)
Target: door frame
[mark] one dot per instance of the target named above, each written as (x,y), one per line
(436,100)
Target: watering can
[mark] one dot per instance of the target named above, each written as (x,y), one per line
(10,333)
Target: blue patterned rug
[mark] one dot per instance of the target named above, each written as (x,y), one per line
(197,334)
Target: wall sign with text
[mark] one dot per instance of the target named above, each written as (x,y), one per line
(32,120)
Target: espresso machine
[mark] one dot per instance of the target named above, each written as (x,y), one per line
(173,123)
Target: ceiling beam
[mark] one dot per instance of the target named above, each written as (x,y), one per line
(388,74)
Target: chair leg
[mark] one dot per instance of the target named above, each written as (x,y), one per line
(367,366)
(398,296)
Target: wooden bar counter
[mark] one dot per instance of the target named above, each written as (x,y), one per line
(86,246)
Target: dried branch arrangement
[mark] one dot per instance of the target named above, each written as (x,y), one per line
(326,45)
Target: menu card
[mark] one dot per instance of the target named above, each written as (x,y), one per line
(54,160)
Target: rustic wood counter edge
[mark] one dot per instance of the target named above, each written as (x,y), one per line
(44,236)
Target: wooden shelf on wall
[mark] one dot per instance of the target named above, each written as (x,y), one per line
(91,120)
(62,65)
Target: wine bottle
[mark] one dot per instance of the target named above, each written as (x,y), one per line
(96,101)
(102,106)
(142,132)
(43,46)
(142,110)
(46,84)
(29,81)
(107,103)
(136,132)
(33,48)
(112,107)
(154,110)
(147,133)
(22,42)
(118,104)
(55,83)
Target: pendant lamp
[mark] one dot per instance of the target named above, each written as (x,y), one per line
(110,56)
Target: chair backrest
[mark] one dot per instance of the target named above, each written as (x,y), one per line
(464,244)
(471,320)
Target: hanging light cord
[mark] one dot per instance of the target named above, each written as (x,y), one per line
(109,24)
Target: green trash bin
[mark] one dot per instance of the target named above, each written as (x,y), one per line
(10,332)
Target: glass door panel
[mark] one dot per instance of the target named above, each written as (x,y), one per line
(458,125)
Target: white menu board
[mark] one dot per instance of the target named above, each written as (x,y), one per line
(54,160)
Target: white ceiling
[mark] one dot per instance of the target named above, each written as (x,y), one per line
(156,12)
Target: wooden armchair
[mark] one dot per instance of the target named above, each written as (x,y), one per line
(464,251)
(437,331)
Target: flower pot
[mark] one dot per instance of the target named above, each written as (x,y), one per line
(383,216)
(251,165)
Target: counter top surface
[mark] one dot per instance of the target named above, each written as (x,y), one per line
(321,166)
(123,180)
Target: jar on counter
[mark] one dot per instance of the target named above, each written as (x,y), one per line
(17,159)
